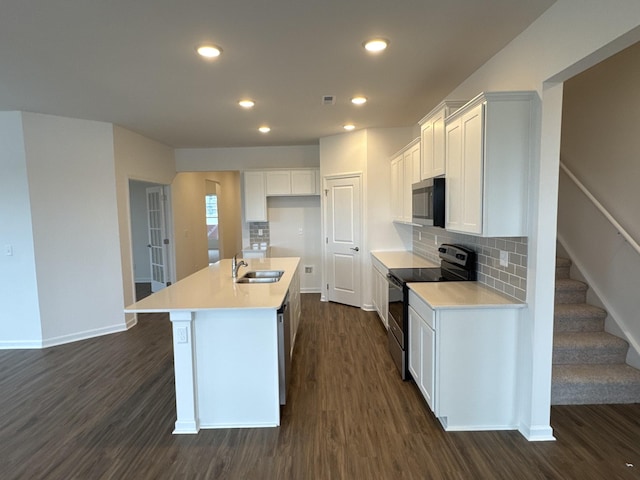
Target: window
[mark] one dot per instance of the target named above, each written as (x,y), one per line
(212,216)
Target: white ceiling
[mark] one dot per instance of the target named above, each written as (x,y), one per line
(133,62)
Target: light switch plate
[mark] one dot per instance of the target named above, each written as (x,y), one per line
(8,250)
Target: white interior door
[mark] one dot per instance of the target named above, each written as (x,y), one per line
(342,240)
(157,238)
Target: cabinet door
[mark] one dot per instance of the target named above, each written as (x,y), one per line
(303,182)
(411,170)
(397,175)
(427,367)
(454,190)
(438,145)
(426,147)
(255,201)
(278,182)
(415,349)
(472,170)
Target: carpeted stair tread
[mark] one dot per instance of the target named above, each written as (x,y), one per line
(570,291)
(578,317)
(595,384)
(588,348)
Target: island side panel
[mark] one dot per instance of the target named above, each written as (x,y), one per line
(237,368)
(184,367)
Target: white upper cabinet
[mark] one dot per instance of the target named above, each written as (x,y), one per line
(432,139)
(291,182)
(304,182)
(488,149)
(405,171)
(255,200)
(278,182)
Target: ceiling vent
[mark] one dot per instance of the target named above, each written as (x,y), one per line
(328,99)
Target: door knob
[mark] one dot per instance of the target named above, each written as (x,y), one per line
(355,249)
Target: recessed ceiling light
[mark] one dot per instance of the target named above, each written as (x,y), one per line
(376,45)
(349,127)
(264,129)
(246,103)
(209,51)
(359,100)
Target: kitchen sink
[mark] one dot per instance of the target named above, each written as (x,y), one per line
(261,276)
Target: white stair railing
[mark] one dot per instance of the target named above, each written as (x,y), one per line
(601,208)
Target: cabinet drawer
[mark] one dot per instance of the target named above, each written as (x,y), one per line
(422,309)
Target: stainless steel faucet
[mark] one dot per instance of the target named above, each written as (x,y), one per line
(235,266)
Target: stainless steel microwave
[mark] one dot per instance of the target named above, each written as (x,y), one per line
(428,202)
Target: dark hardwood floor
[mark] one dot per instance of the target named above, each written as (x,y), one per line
(104,409)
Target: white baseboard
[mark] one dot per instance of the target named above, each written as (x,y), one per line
(310,290)
(75,337)
(368,307)
(21,345)
(539,433)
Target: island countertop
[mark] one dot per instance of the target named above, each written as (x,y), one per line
(214,288)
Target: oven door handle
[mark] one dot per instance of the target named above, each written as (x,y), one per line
(392,279)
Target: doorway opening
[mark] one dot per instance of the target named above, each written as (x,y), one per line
(151,243)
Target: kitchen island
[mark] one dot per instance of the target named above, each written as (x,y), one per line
(226,343)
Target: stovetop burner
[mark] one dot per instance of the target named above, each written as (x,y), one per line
(457,263)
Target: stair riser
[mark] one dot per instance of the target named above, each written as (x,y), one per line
(590,356)
(578,325)
(562,271)
(594,394)
(570,296)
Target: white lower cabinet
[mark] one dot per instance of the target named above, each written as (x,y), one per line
(464,362)
(422,350)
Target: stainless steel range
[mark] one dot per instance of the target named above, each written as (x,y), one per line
(457,264)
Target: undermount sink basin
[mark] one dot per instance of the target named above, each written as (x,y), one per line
(261,276)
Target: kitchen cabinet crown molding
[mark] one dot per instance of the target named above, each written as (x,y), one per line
(445,104)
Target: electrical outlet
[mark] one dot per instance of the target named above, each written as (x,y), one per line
(8,250)
(308,269)
(260,232)
(504,258)
(181,335)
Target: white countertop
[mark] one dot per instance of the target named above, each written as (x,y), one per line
(462,295)
(213,288)
(402,259)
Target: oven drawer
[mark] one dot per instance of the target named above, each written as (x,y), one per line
(397,331)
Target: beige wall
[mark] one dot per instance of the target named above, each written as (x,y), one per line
(601,147)
(188,192)
(600,134)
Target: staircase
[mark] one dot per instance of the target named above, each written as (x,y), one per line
(588,363)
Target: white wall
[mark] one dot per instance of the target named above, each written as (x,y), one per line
(369,152)
(75,226)
(136,158)
(569,37)
(20,313)
(294,224)
(244,158)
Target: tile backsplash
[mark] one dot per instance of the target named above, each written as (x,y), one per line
(510,280)
(254,232)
